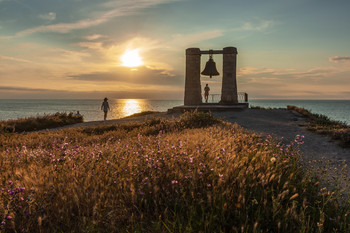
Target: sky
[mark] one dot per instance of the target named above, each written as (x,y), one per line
(71,49)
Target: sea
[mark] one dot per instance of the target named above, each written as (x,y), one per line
(91,108)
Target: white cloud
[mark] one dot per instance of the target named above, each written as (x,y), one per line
(257,25)
(259,74)
(121,8)
(49,16)
(181,40)
(93,37)
(14,59)
(337,59)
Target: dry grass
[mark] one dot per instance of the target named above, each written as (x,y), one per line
(40,122)
(193,174)
(321,124)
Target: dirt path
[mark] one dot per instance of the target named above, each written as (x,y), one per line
(320,154)
(284,123)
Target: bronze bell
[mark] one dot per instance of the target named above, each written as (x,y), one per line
(210,68)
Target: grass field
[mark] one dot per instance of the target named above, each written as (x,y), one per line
(191,174)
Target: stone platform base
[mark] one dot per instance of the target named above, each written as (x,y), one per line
(209,107)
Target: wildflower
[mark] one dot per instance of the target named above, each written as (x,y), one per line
(9,217)
(174,182)
(3,223)
(221,175)
(209,185)
(273,159)
(108,162)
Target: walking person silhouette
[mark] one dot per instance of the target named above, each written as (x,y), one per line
(105,108)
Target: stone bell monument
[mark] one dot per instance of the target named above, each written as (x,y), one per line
(192,83)
(193,92)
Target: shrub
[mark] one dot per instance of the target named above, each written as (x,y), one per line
(196,119)
(40,122)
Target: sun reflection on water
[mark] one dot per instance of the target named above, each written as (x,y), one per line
(131,106)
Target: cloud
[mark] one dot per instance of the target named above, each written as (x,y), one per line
(94,37)
(288,73)
(257,26)
(142,76)
(181,40)
(337,59)
(316,82)
(150,92)
(121,8)
(14,59)
(11,88)
(49,16)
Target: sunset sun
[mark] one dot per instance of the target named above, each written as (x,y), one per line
(131,58)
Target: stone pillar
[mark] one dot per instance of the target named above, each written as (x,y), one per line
(229,82)
(193,94)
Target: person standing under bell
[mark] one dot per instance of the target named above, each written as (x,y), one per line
(105,107)
(206,92)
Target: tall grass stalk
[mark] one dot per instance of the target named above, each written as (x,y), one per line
(193,174)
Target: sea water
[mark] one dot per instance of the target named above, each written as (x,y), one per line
(91,109)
